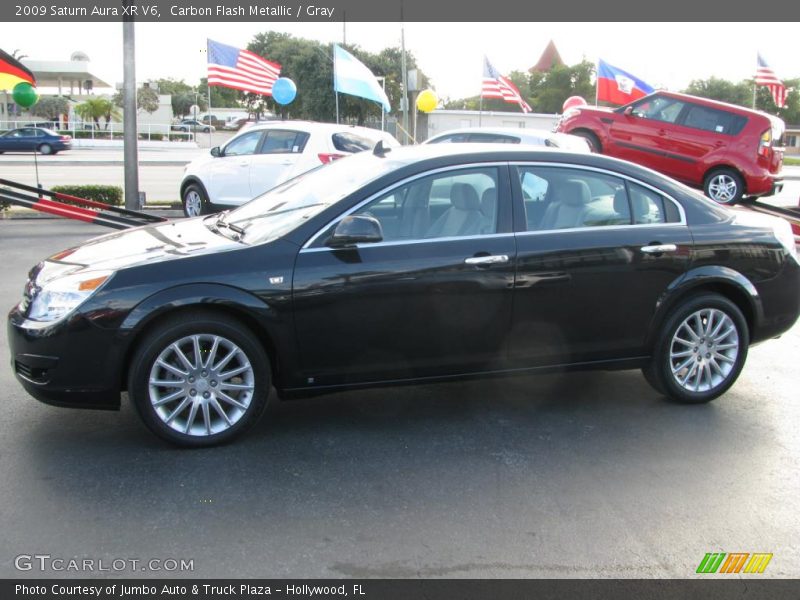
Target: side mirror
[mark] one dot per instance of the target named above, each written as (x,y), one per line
(628,112)
(215,151)
(357,229)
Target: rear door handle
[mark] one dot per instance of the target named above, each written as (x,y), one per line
(492,259)
(659,248)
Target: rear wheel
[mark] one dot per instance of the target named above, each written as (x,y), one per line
(45,149)
(700,351)
(725,186)
(200,379)
(195,202)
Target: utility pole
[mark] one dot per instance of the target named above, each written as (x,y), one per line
(130,143)
(404,99)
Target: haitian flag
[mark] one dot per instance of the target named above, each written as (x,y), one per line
(617,86)
(13,72)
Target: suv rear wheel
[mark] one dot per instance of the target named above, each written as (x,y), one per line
(195,201)
(725,186)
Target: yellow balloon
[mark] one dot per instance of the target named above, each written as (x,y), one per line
(427,101)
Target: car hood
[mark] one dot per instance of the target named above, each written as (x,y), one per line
(132,247)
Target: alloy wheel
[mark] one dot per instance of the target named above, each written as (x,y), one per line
(193,203)
(723,188)
(201,384)
(703,350)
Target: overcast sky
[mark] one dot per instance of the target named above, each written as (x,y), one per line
(667,55)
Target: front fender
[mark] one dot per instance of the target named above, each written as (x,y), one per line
(197,295)
(721,279)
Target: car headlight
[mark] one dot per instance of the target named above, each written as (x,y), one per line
(59,297)
(783,231)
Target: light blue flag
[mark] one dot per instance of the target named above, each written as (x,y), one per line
(351,76)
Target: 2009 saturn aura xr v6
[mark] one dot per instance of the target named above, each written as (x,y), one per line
(407,265)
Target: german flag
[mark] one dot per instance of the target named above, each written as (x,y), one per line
(13,72)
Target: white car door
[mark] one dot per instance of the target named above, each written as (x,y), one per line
(229,176)
(276,159)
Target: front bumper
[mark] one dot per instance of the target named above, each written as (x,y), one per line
(73,363)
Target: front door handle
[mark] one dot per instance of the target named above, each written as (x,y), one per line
(659,248)
(492,259)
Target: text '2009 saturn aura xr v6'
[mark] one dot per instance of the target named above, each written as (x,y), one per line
(414,264)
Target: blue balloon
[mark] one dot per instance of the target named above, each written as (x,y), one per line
(284,90)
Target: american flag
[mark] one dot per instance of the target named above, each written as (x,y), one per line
(766,76)
(497,86)
(240,69)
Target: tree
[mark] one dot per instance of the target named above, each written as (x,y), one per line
(742,94)
(96,108)
(310,65)
(50,107)
(544,91)
(146,100)
(221,97)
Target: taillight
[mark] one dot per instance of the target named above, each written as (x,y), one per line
(326,158)
(765,144)
(66,138)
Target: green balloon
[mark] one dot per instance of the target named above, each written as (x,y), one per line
(25,94)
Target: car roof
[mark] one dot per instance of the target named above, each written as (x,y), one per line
(714,103)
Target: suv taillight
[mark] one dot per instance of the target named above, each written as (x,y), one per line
(325,158)
(765,144)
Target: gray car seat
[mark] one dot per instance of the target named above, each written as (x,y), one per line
(464,216)
(567,206)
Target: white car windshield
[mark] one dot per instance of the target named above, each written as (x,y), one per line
(289,205)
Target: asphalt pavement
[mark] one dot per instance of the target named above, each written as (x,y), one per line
(565,475)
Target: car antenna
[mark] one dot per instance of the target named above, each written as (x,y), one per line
(379,150)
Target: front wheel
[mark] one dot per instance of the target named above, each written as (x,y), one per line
(700,351)
(591,139)
(724,186)
(200,379)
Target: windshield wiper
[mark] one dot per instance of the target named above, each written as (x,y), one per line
(221,222)
(248,221)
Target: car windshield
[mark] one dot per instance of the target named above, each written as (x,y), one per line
(289,205)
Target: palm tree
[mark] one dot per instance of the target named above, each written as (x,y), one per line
(95,108)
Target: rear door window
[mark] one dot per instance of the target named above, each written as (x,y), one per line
(281,141)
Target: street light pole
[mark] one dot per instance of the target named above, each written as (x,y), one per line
(130,142)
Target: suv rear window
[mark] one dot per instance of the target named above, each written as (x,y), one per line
(350,142)
(712,119)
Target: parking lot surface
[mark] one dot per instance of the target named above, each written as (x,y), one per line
(565,475)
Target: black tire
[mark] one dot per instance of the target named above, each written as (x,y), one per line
(184,129)
(594,142)
(205,430)
(724,185)
(195,201)
(45,149)
(206,130)
(702,353)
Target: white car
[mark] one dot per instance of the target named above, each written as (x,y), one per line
(265,155)
(512,135)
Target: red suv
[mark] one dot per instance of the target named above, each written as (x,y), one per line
(727,150)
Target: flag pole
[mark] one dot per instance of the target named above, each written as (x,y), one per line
(335,91)
(597,83)
(480,109)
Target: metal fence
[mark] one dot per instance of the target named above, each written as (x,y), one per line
(80,130)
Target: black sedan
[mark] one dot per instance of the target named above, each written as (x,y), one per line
(418,264)
(30,139)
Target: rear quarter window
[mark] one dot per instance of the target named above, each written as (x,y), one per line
(715,120)
(350,142)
